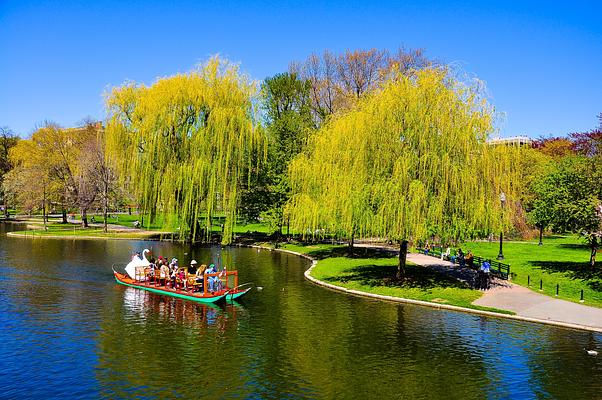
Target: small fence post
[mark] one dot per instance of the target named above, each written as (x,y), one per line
(557,287)
(581,301)
(528,280)
(540,285)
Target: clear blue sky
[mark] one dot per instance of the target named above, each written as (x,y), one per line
(542,62)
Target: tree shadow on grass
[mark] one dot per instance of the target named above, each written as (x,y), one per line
(576,246)
(574,270)
(384,276)
(358,252)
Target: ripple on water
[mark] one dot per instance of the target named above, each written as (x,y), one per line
(83,336)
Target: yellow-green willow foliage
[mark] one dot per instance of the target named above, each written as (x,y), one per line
(182,142)
(409,162)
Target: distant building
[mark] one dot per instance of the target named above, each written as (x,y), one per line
(512,141)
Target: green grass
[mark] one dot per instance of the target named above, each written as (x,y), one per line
(317,250)
(125,220)
(70,230)
(160,223)
(562,260)
(372,272)
(128,221)
(252,227)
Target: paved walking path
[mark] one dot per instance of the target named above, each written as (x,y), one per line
(505,295)
(527,303)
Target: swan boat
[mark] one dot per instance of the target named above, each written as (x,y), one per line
(136,276)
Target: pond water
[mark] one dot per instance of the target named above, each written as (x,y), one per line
(69,331)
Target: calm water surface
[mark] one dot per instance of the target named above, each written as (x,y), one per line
(69,331)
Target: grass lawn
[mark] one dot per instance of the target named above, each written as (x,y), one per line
(252,227)
(373,271)
(128,221)
(158,225)
(56,229)
(562,260)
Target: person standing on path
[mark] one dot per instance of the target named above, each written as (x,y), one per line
(484,271)
(461,260)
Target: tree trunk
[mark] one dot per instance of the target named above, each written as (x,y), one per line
(199,232)
(105,209)
(540,235)
(44,217)
(64,212)
(85,218)
(351,242)
(210,228)
(594,247)
(403,255)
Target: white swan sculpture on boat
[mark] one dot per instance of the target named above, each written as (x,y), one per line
(136,263)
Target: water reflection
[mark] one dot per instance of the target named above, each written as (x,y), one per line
(141,305)
(65,322)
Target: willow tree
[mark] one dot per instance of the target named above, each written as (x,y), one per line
(182,142)
(408,162)
(54,165)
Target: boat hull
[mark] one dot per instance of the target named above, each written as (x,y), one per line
(127,281)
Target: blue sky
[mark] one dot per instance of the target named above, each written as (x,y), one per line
(541,61)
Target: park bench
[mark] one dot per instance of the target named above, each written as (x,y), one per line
(498,269)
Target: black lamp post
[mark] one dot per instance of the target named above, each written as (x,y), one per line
(500,256)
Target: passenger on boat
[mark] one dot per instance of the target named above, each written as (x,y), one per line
(182,278)
(150,270)
(214,282)
(173,267)
(174,275)
(164,271)
(200,272)
(223,274)
(192,268)
(210,280)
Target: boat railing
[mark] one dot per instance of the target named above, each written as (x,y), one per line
(223,278)
(141,274)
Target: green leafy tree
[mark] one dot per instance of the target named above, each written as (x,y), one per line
(56,165)
(568,199)
(568,195)
(408,162)
(182,144)
(288,121)
(7,140)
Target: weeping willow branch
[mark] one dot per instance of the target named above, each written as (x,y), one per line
(182,143)
(408,162)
